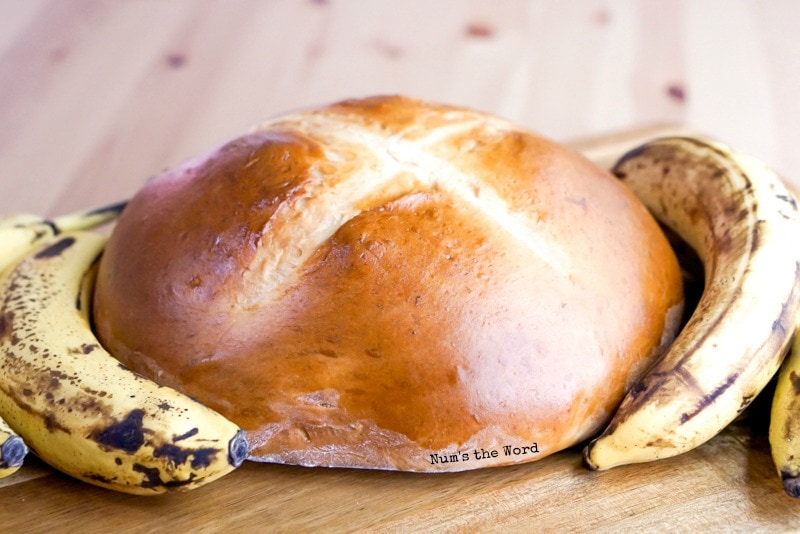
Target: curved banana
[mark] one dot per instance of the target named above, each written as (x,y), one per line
(87,219)
(18,234)
(12,450)
(784,424)
(741,220)
(77,407)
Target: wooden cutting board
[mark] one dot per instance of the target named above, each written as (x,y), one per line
(728,483)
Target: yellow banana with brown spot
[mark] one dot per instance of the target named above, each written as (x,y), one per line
(19,233)
(76,406)
(784,425)
(742,222)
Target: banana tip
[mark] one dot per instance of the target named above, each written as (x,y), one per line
(13,452)
(587,458)
(238,449)
(791,484)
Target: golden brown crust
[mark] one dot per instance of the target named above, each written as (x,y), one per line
(385,282)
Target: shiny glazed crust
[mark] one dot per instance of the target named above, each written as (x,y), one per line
(388,283)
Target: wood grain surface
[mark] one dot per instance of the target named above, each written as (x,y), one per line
(98,95)
(729,483)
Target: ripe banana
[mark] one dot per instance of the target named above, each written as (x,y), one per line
(12,450)
(77,407)
(741,220)
(784,425)
(19,233)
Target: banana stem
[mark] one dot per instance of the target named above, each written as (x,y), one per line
(87,219)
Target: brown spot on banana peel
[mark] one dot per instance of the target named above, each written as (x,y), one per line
(50,422)
(152,478)
(794,379)
(112,210)
(745,401)
(789,426)
(23,375)
(688,380)
(126,435)
(708,400)
(55,249)
(201,457)
(661,442)
(85,348)
(187,435)
(155,477)
(636,152)
(5,324)
(238,449)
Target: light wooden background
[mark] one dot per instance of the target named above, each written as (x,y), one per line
(96,96)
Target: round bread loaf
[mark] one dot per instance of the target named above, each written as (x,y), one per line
(394,284)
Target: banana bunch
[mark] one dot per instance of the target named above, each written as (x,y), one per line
(743,223)
(77,407)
